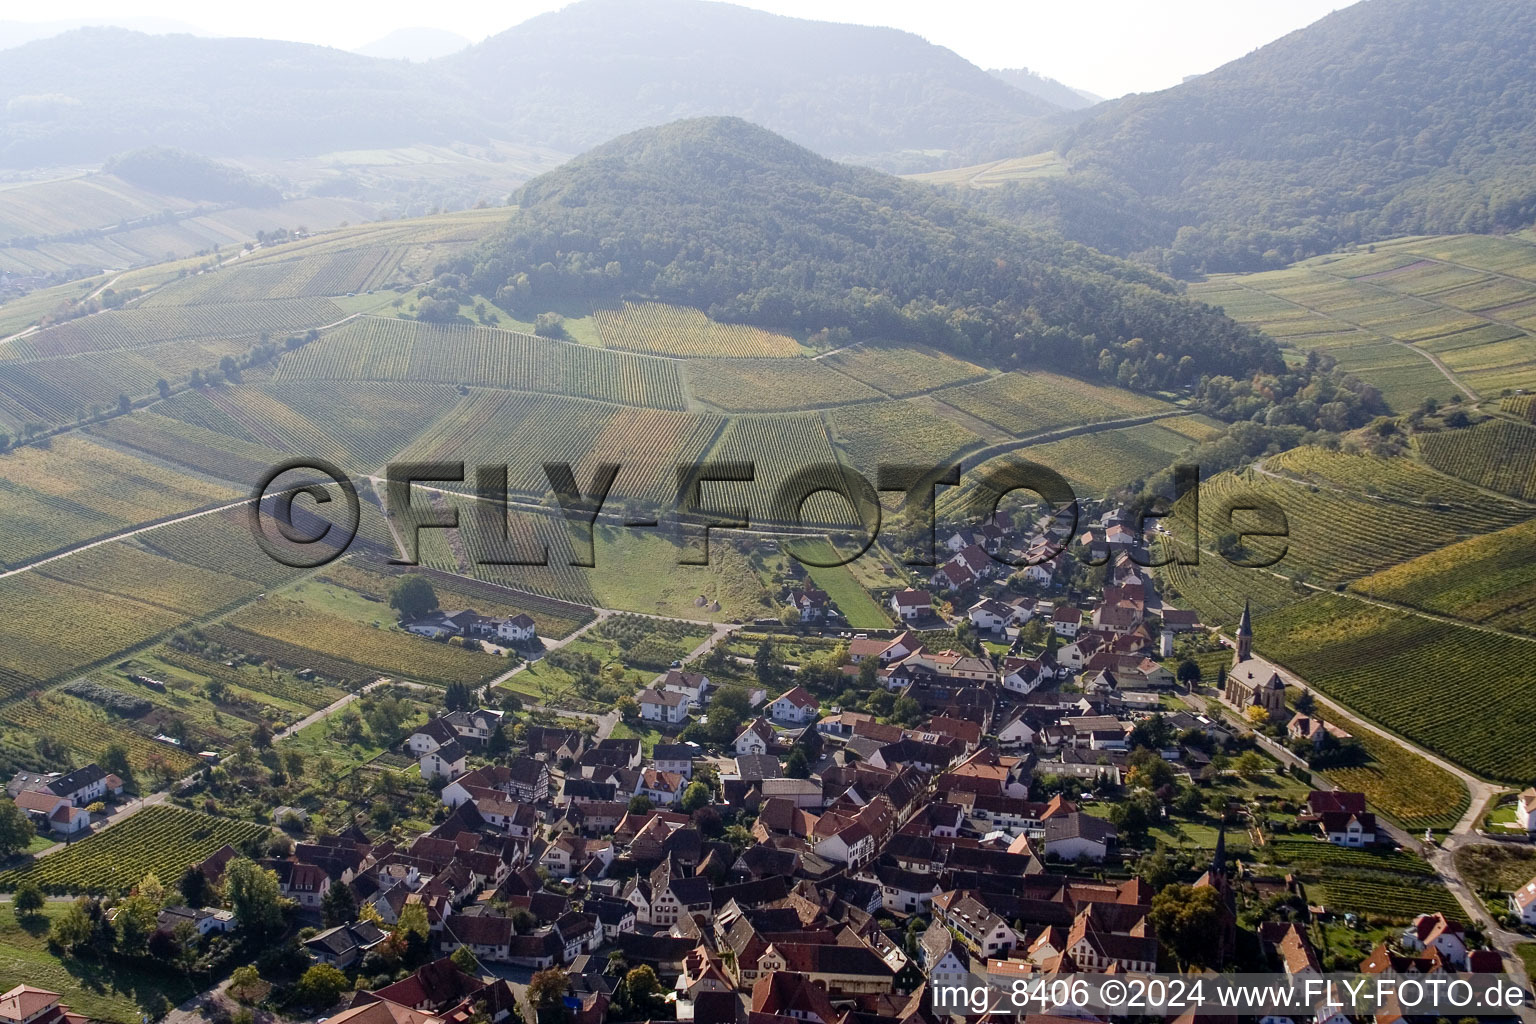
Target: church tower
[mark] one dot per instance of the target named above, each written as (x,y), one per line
(1245,635)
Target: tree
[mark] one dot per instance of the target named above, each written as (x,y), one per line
(338,905)
(642,989)
(797,765)
(1250,764)
(16,829)
(124,404)
(639,804)
(1305,702)
(1185,918)
(114,759)
(1189,671)
(413,921)
(195,890)
(413,597)
(245,983)
(695,796)
(458,697)
(547,988)
(322,985)
(29,899)
(464,959)
(254,896)
(73,929)
(1257,717)
(230,369)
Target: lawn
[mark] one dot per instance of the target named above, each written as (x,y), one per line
(108,990)
(1527,953)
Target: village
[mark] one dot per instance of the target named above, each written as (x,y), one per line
(1004,804)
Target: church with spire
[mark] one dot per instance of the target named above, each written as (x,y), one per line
(1215,877)
(1252,682)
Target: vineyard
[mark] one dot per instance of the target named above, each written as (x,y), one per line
(86,730)
(134,328)
(49,628)
(1386,898)
(374,579)
(1496,454)
(1450,688)
(162,840)
(77,489)
(1029,403)
(897,432)
(65,389)
(778,447)
(309,694)
(766,385)
(129,571)
(902,371)
(384,650)
(1104,460)
(1338,534)
(333,273)
(525,431)
(379,348)
(1314,853)
(1523,406)
(677,331)
(1489,580)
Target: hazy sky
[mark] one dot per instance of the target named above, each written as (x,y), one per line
(1105,46)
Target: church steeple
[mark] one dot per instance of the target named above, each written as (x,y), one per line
(1245,634)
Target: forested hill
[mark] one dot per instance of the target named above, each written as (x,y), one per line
(727,217)
(579,76)
(1386,118)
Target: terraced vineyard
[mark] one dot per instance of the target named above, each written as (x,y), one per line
(902,370)
(129,571)
(1489,580)
(1496,454)
(766,385)
(1523,406)
(1416,793)
(1431,681)
(1028,403)
(1397,901)
(162,840)
(379,348)
(1102,461)
(1391,511)
(676,331)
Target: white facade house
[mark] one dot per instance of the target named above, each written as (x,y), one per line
(518,629)
(666,706)
(1522,902)
(794,706)
(1525,810)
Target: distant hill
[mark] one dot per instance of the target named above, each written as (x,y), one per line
(727,217)
(566,80)
(1047,89)
(89,93)
(1386,118)
(415,44)
(581,75)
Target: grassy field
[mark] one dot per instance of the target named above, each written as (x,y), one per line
(101,989)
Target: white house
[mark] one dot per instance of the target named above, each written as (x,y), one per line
(1438,931)
(692,685)
(989,614)
(1066,620)
(795,706)
(1078,836)
(666,706)
(1342,828)
(1523,902)
(755,738)
(911,604)
(444,762)
(518,629)
(1525,810)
